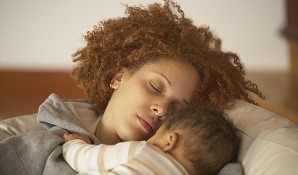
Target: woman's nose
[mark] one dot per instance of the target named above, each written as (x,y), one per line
(160,110)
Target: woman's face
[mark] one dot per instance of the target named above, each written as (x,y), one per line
(143,99)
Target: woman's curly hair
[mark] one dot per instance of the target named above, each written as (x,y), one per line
(157,31)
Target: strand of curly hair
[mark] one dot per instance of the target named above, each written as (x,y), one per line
(146,34)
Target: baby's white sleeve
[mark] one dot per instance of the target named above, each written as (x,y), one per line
(86,158)
(82,157)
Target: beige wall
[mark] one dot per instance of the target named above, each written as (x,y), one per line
(42,34)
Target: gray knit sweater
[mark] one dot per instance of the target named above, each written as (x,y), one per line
(40,151)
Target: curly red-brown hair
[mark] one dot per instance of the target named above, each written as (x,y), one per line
(157,31)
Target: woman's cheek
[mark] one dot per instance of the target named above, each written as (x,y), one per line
(143,96)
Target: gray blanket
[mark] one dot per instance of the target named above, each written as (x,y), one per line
(40,152)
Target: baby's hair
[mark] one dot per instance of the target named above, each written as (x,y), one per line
(209,139)
(147,34)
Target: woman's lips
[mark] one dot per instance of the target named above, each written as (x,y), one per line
(146,125)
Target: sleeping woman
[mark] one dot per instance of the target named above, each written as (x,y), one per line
(136,71)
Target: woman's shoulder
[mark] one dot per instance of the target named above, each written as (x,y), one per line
(80,108)
(18,125)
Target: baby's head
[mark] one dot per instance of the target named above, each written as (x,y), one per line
(200,139)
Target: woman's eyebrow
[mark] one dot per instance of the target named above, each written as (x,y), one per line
(170,84)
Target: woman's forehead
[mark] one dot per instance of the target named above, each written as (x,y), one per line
(180,74)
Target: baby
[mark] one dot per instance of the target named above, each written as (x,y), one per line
(195,140)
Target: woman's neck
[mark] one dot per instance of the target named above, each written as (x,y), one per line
(106,133)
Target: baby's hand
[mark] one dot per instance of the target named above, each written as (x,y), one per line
(69,137)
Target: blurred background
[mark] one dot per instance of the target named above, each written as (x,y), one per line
(39,36)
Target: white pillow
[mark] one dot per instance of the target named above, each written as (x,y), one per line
(269,143)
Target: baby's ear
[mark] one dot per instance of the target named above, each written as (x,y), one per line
(118,78)
(171,141)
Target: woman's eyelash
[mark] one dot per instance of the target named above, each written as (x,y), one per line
(154,88)
(173,109)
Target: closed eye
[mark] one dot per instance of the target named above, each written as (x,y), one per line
(154,88)
(173,109)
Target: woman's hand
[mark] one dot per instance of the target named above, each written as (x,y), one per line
(69,137)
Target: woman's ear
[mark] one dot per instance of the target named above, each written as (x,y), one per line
(171,141)
(118,78)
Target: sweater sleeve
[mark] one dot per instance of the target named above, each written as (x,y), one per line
(86,158)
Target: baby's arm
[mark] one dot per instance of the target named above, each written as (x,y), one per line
(87,158)
(79,153)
